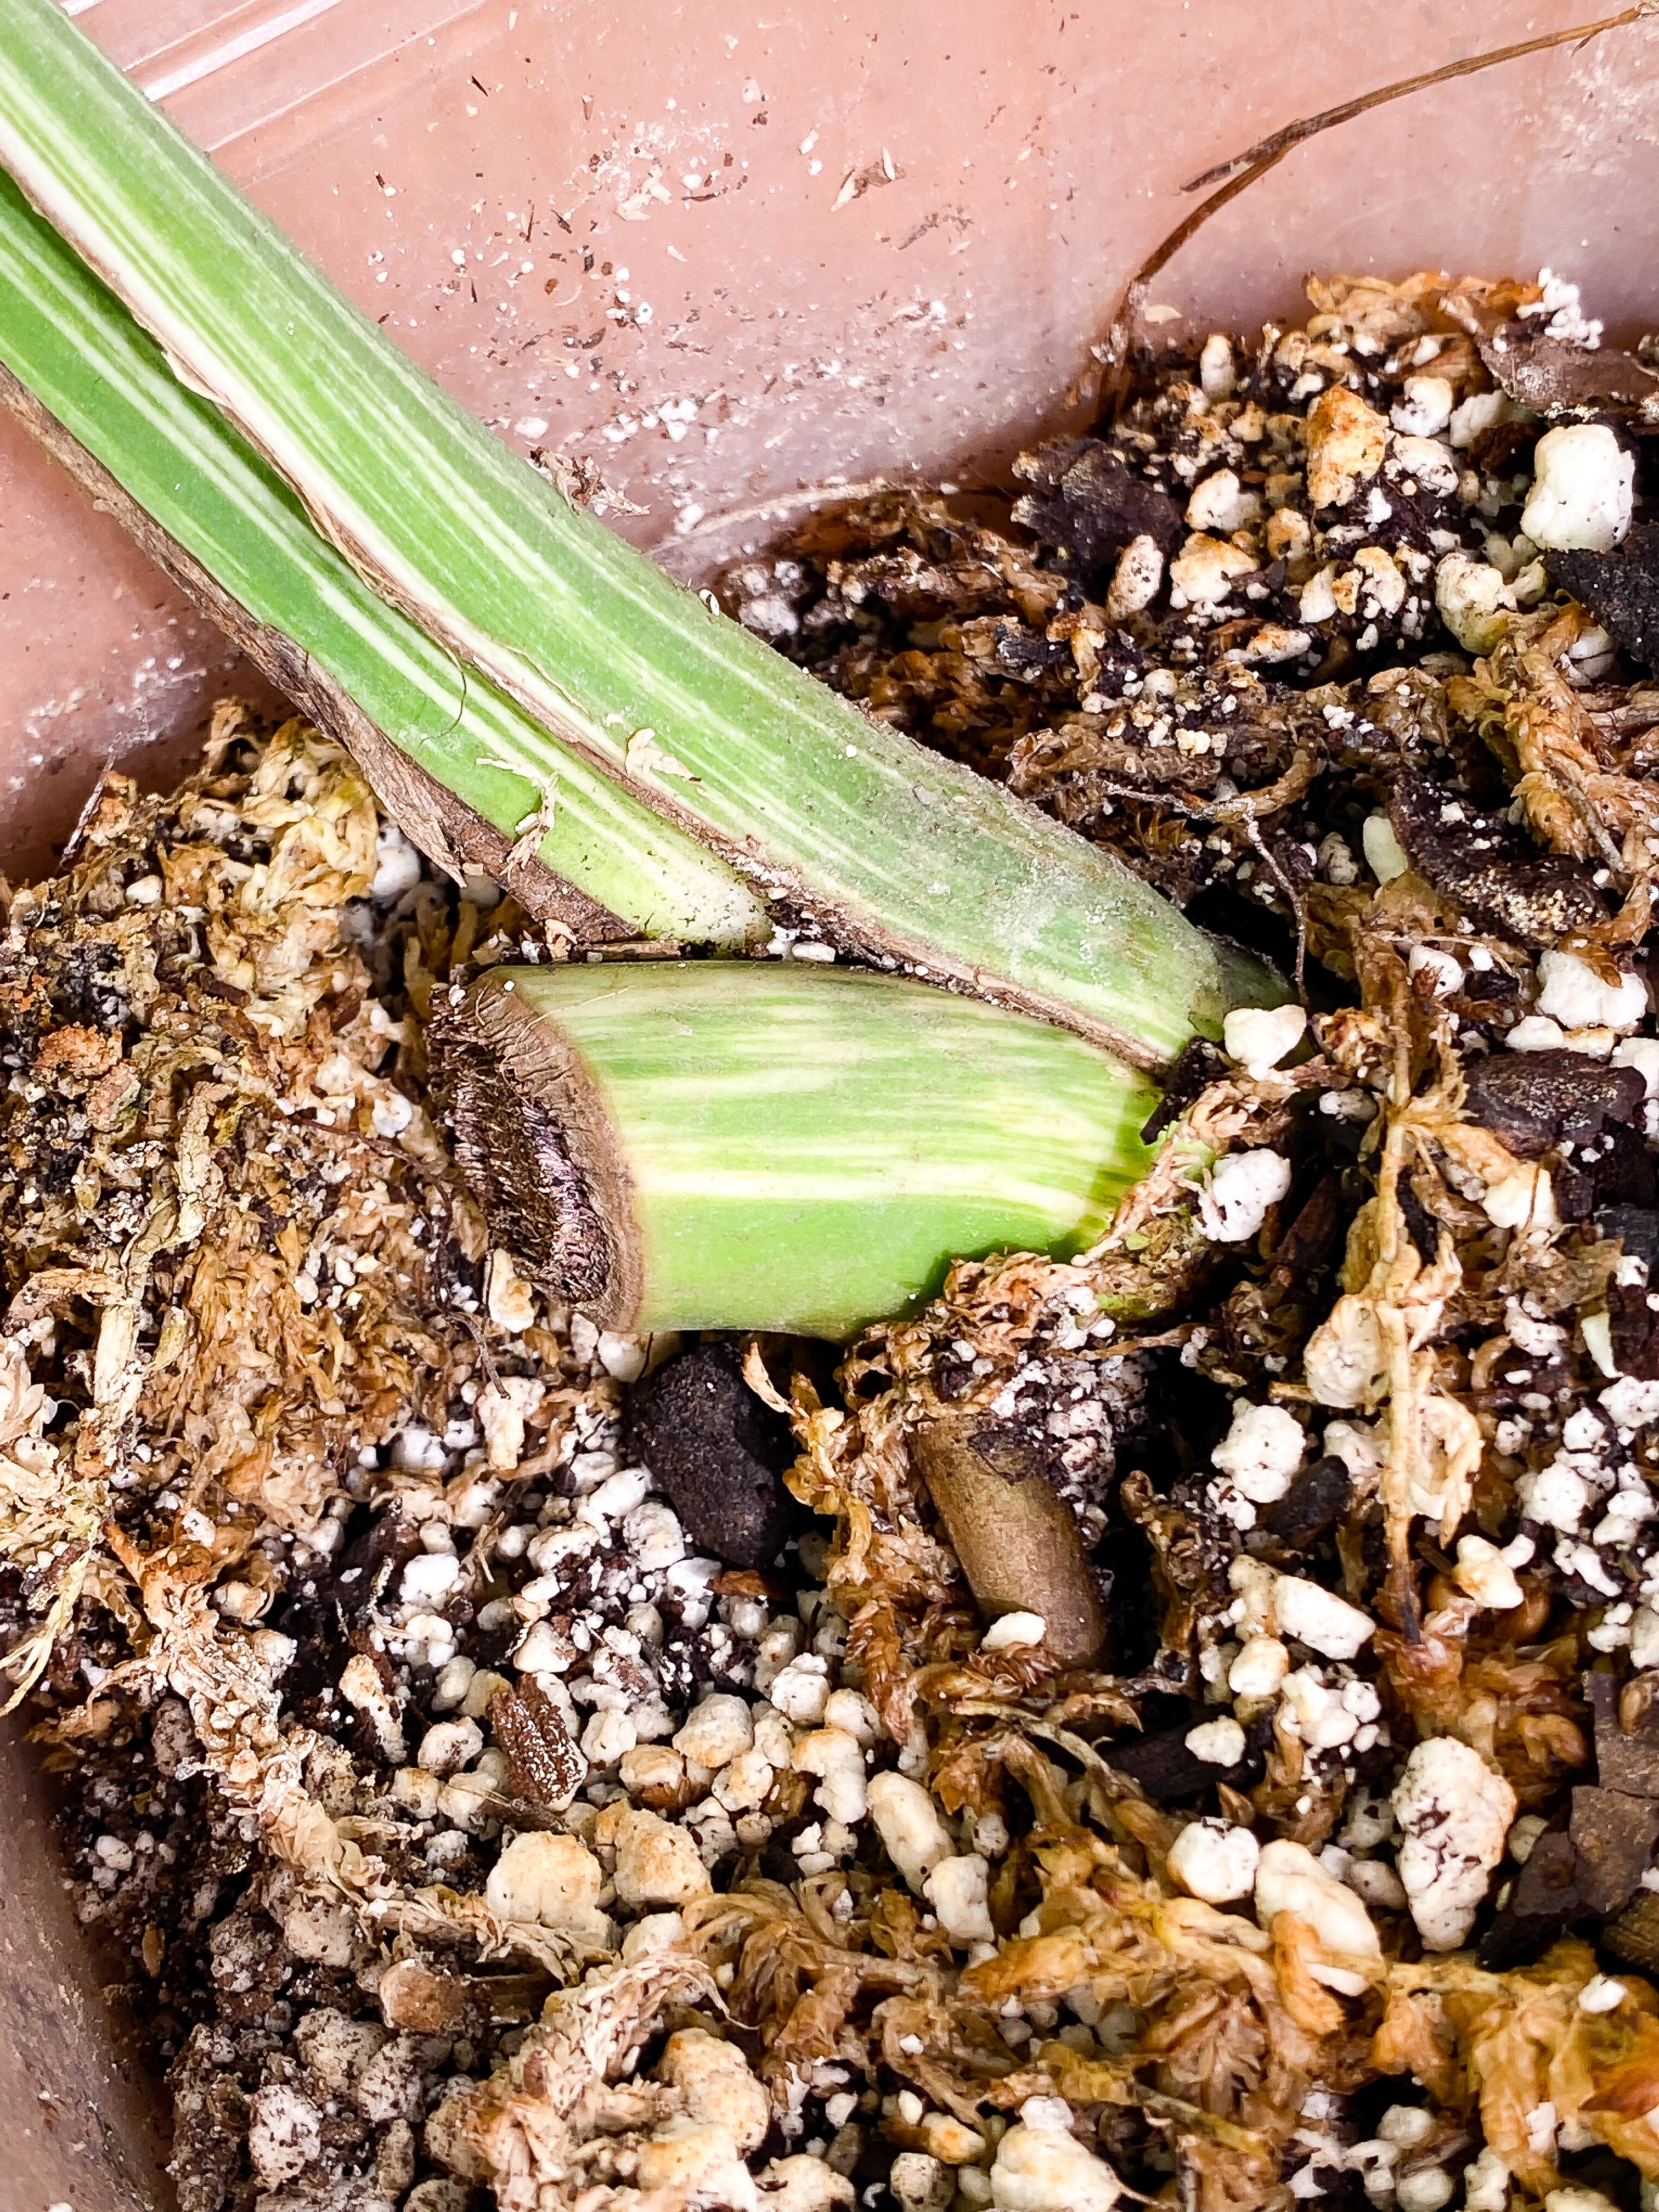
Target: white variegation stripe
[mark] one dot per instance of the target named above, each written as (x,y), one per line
(871,1183)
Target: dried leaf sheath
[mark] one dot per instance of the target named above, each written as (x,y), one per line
(774,1147)
(1017,1541)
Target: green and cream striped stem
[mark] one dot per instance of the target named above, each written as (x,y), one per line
(897,852)
(96,390)
(772,1145)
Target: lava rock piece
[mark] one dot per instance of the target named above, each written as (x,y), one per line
(1534,1100)
(1624,1172)
(1088,503)
(1621,589)
(1314,1503)
(1635,1227)
(1616,1169)
(717,1452)
(1481,865)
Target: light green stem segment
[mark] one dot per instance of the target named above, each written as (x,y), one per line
(904,853)
(771,1145)
(84,356)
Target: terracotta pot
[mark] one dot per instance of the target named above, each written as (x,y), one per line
(870,239)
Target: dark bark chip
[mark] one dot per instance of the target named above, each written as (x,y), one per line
(1316,1230)
(1313,1505)
(717,1452)
(1170,1774)
(1635,1329)
(1481,865)
(1198,1064)
(1088,503)
(1025,655)
(1612,1840)
(1532,1101)
(1626,1734)
(1557,377)
(1542,1903)
(1621,589)
(1633,1938)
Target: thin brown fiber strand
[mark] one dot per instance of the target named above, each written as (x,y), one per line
(1243,170)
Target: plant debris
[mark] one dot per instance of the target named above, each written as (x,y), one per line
(502,1797)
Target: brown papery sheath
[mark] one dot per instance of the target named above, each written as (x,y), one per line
(1017,1542)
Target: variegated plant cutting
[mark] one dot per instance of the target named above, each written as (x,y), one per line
(619,674)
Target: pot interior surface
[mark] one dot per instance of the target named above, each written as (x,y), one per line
(739,259)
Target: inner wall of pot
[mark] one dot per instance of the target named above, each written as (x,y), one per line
(781,250)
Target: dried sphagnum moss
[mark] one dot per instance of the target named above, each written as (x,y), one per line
(235,1247)
(889,1883)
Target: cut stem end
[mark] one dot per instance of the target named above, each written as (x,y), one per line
(764,1144)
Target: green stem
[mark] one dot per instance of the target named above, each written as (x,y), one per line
(711,1144)
(902,855)
(234,535)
